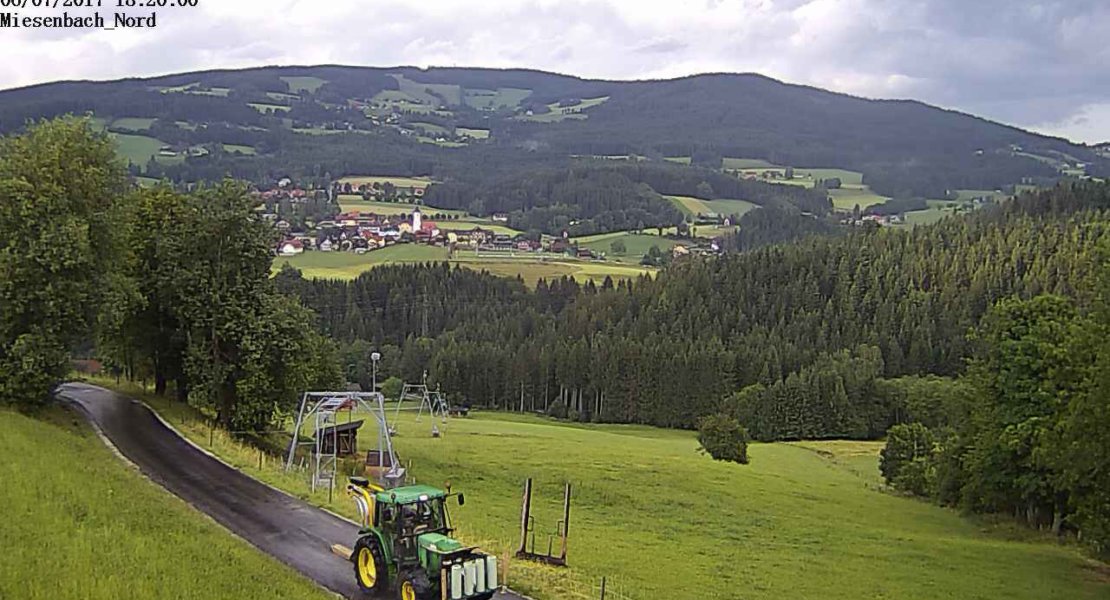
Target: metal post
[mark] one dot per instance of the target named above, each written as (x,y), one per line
(296,432)
(525,515)
(566,520)
(602,588)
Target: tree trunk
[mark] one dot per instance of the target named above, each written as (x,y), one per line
(182,389)
(226,403)
(159,383)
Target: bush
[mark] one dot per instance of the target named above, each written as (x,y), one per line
(557,409)
(391,388)
(723,438)
(904,461)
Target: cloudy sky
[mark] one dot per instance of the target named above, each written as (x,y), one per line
(1040,65)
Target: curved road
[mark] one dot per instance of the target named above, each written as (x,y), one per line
(296,533)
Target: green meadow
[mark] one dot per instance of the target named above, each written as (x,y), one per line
(636,245)
(691,206)
(80,524)
(348,265)
(803,520)
(529,267)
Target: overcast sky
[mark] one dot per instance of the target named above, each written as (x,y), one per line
(1039,65)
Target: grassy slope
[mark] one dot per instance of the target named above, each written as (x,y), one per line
(78,523)
(636,245)
(793,524)
(347,265)
(805,520)
(350,202)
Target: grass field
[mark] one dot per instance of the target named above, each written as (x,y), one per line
(747,163)
(238,149)
(348,265)
(556,112)
(303,84)
(636,244)
(495,100)
(132,124)
(79,523)
(432,94)
(804,520)
(693,206)
(139,149)
(847,197)
(478,134)
(405,182)
(469,224)
(429,127)
(349,203)
(531,268)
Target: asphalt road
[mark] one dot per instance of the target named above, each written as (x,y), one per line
(294,532)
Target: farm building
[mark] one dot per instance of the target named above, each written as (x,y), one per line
(340,439)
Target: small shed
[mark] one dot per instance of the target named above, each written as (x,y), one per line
(340,439)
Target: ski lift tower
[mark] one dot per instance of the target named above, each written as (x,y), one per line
(322,407)
(435,403)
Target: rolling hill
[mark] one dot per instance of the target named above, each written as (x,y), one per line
(318,122)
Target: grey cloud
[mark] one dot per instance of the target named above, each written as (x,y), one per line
(1022,62)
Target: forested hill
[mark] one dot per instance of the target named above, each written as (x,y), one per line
(319,122)
(815,323)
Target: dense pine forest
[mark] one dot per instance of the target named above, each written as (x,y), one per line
(668,350)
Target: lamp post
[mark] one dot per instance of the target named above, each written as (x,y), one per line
(374,358)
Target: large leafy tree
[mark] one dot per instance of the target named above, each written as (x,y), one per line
(1025,375)
(60,192)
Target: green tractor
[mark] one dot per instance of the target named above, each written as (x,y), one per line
(405,545)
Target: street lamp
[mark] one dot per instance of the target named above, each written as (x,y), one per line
(374,358)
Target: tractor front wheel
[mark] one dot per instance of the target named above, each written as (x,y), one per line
(414,585)
(370,569)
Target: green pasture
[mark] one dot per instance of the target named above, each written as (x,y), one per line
(495,100)
(528,266)
(433,94)
(239,149)
(469,224)
(747,163)
(556,113)
(478,134)
(636,244)
(132,124)
(81,524)
(349,203)
(348,265)
(803,520)
(401,182)
(847,197)
(139,149)
(691,206)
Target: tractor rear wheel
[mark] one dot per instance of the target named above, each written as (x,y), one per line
(370,569)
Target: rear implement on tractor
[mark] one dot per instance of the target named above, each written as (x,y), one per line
(405,545)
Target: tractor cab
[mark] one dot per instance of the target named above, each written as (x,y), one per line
(405,543)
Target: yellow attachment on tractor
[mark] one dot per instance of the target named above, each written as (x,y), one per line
(362,492)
